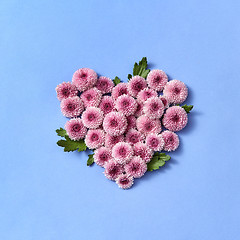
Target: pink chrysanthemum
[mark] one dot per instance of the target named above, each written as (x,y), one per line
(135,85)
(111,141)
(66,90)
(131,121)
(147,125)
(107,104)
(175,91)
(164,101)
(171,141)
(126,105)
(139,111)
(112,169)
(133,136)
(92,117)
(119,90)
(91,97)
(136,167)
(95,138)
(124,181)
(75,129)
(143,151)
(155,142)
(84,79)
(115,123)
(72,106)
(145,94)
(122,152)
(102,155)
(153,107)
(104,84)
(175,118)
(157,79)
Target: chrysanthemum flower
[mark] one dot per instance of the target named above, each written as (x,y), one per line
(84,79)
(131,122)
(124,181)
(171,141)
(107,104)
(112,169)
(133,136)
(139,111)
(175,118)
(143,151)
(175,91)
(72,106)
(75,129)
(119,90)
(126,105)
(136,167)
(102,155)
(135,85)
(92,117)
(95,138)
(157,79)
(155,142)
(164,101)
(145,94)
(146,125)
(111,141)
(66,90)
(104,84)
(153,107)
(91,97)
(115,123)
(122,152)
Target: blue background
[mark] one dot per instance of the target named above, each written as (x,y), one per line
(48,194)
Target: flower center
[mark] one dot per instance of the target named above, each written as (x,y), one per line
(176,90)
(175,118)
(154,107)
(148,126)
(84,75)
(125,103)
(66,92)
(70,107)
(94,137)
(113,123)
(76,128)
(123,91)
(133,139)
(89,97)
(103,156)
(124,181)
(91,117)
(122,151)
(157,79)
(154,142)
(138,86)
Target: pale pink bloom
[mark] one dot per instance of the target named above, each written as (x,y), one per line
(139,111)
(175,91)
(136,167)
(153,107)
(146,125)
(66,90)
(115,123)
(122,152)
(95,138)
(145,94)
(157,79)
(102,155)
(119,90)
(131,121)
(135,85)
(72,107)
(84,79)
(164,101)
(126,105)
(92,117)
(104,84)
(155,141)
(124,181)
(175,118)
(111,141)
(75,129)
(143,151)
(133,136)
(112,169)
(171,141)
(107,104)
(91,97)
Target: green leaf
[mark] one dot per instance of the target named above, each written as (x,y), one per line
(158,160)
(70,145)
(90,160)
(140,68)
(116,80)
(129,76)
(61,132)
(187,108)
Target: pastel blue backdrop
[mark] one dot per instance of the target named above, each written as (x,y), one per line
(46,194)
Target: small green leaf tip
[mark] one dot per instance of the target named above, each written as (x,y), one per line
(116,80)
(158,160)
(61,132)
(187,108)
(129,76)
(90,160)
(140,68)
(70,145)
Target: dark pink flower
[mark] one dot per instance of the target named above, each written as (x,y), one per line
(135,85)
(171,140)
(119,90)
(75,129)
(126,105)
(136,167)
(111,141)
(143,151)
(95,138)
(145,94)
(175,118)
(104,84)
(133,136)
(91,97)
(107,104)
(153,107)
(131,121)
(72,106)
(92,117)
(124,181)
(122,152)
(102,155)
(157,79)
(66,90)
(146,125)
(155,142)
(112,169)
(164,101)
(139,111)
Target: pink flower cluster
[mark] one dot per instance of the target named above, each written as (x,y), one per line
(124,124)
